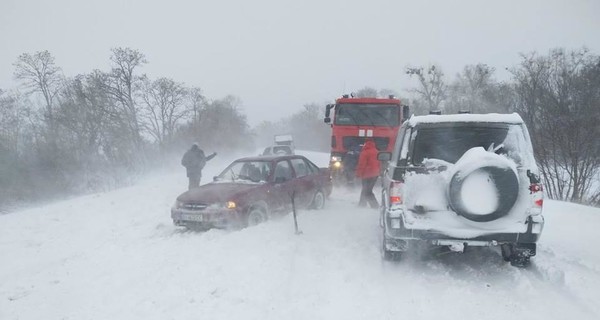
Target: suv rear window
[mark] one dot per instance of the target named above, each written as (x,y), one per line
(451,142)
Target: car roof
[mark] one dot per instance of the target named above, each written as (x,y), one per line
(271,157)
(511,118)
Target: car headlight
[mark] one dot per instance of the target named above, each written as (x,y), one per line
(223,205)
(337,164)
(336,158)
(230,205)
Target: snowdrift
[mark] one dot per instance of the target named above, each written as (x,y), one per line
(117,255)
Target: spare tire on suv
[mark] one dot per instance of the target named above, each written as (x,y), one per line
(474,185)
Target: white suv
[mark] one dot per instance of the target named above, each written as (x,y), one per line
(462,180)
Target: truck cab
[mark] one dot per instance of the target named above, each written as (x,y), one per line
(354,121)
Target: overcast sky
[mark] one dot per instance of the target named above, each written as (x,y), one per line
(277,55)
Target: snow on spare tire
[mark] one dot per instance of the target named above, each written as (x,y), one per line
(484,185)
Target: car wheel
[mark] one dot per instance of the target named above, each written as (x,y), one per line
(318,201)
(257,215)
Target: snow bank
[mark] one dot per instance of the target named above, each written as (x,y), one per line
(116,255)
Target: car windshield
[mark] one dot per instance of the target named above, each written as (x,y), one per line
(246,171)
(367,115)
(449,143)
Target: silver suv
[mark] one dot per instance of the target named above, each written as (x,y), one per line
(462,180)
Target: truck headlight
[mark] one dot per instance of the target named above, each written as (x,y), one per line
(336,158)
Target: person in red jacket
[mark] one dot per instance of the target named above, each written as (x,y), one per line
(368,171)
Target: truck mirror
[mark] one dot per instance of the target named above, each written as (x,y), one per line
(328,110)
(327,120)
(384,156)
(405,112)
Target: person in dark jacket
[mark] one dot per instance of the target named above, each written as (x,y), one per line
(368,171)
(350,161)
(193,161)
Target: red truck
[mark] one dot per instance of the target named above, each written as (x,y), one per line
(355,120)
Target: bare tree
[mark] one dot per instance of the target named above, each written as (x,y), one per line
(164,101)
(40,74)
(559,97)
(123,84)
(196,101)
(476,90)
(366,92)
(431,89)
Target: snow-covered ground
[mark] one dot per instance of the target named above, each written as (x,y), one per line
(116,255)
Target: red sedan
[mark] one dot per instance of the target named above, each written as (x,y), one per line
(251,190)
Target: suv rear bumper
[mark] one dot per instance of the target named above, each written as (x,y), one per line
(531,235)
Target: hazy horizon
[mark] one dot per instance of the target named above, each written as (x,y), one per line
(276,56)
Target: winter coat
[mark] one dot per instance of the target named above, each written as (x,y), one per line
(194,161)
(368,165)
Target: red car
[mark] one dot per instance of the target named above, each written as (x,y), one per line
(251,190)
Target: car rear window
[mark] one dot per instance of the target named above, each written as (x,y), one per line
(449,143)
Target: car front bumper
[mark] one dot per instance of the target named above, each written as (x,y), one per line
(205,219)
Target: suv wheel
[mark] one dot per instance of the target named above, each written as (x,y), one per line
(386,254)
(519,255)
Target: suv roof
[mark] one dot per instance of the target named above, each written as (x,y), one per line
(513,118)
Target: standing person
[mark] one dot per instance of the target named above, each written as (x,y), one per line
(350,161)
(368,171)
(193,161)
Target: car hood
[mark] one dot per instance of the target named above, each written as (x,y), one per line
(215,192)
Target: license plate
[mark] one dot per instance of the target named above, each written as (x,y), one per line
(191,217)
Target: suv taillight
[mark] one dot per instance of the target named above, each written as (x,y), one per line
(396,192)
(537,195)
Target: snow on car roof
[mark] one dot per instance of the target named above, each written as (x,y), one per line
(488,117)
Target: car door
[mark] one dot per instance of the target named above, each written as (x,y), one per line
(282,186)
(304,182)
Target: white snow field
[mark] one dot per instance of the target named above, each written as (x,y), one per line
(116,255)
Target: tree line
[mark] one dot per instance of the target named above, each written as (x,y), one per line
(65,135)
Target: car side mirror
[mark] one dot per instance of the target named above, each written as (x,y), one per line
(384,156)
(215,178)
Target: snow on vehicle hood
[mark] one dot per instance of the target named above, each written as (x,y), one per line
(215,192)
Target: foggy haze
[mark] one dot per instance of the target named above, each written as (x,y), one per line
(278,55)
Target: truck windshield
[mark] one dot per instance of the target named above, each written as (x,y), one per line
(367,115)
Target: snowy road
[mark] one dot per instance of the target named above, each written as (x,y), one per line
(116,255)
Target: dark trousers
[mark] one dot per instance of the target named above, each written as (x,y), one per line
(366,194)
(194,181)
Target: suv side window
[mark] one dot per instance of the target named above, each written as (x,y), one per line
(398,145)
